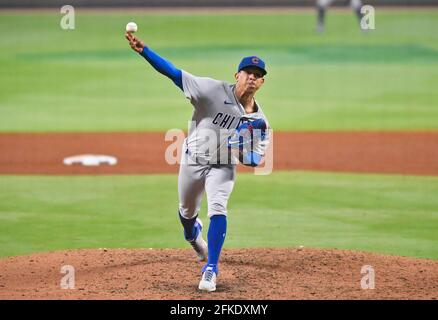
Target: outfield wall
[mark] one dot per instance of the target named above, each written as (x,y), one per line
(194,3)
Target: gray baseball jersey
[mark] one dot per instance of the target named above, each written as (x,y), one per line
(217,113)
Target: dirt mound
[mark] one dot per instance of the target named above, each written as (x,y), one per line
(244,274)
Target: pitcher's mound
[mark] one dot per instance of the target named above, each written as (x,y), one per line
(244,274)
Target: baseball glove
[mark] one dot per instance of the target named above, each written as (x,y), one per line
(247,133)
(245,138)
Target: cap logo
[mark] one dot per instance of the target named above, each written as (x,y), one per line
(255,60)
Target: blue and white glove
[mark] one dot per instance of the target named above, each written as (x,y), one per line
(247,133)
(244,138)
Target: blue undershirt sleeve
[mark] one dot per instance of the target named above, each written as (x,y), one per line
(163,66)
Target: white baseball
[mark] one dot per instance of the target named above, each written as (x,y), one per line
(131,27)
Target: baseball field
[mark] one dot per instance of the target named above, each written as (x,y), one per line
(355,156)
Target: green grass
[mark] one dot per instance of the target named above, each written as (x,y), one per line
(388,214)
(88,79)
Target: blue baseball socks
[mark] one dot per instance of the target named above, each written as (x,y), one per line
(216,238)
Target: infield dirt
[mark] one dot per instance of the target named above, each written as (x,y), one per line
(143,153)
(245,274)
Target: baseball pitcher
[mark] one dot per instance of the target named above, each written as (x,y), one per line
(227,123)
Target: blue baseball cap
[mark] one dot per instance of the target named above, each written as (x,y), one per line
(252,61)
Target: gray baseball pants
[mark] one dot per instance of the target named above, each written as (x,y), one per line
(194,178)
